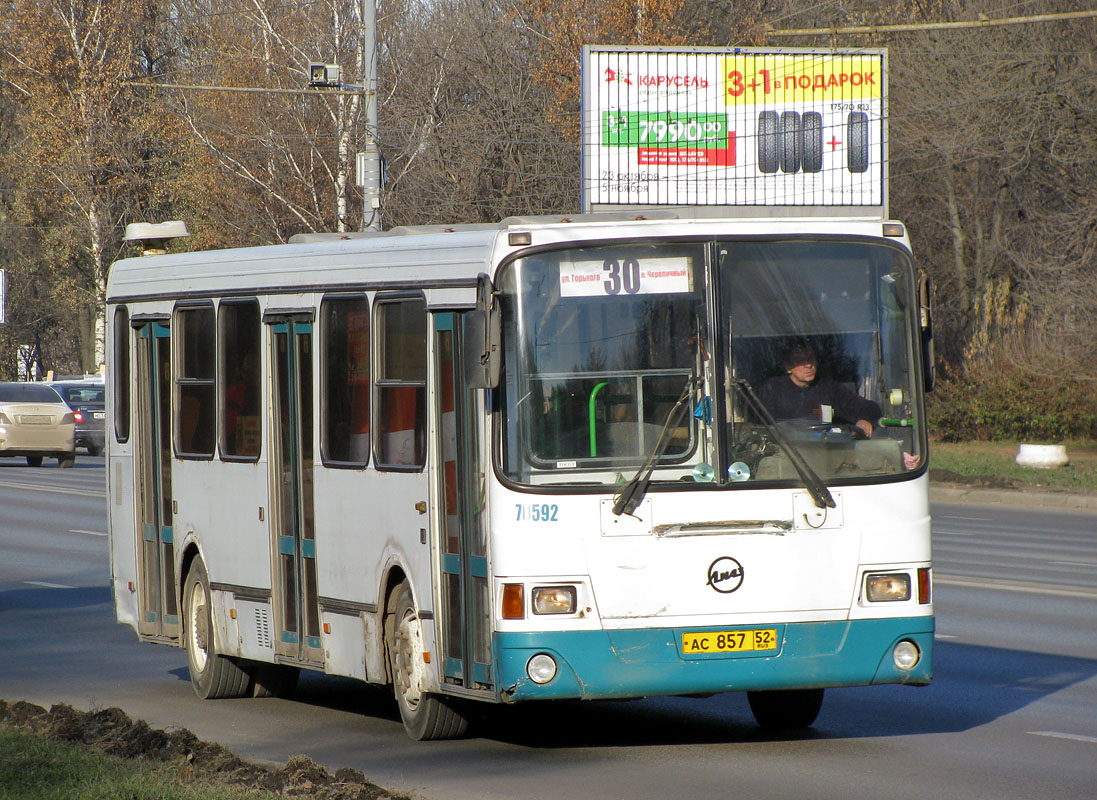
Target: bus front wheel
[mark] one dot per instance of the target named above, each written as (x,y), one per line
(426,715)
(786,709)
(212,676)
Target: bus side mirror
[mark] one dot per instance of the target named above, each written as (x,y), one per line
(482,334)
(925,315)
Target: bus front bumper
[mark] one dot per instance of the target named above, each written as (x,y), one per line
(619,664)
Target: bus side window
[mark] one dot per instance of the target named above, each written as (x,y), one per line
(400,412)
(194,381)
(121,374)
(240,379)
(345,373)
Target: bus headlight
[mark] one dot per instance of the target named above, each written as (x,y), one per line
(887,587)
(541,668)
(554,600)
(906,655)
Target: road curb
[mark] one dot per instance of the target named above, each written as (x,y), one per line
(955,493)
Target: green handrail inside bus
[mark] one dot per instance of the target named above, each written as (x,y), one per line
(890,422)
(590,416)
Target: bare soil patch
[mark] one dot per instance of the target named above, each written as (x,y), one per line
(111,731)
(979,481)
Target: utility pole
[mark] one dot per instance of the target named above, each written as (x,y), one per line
(368,163)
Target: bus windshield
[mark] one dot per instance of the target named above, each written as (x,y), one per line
(603,342)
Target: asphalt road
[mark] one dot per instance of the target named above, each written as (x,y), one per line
(1012,712)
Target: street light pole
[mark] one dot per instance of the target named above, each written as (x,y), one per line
(369,160)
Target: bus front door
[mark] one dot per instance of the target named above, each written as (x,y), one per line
(458,414)
(159,614)
(293,521)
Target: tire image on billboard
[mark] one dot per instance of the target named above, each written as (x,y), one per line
(790,142)
(769,142)
(857,142)
(811,141)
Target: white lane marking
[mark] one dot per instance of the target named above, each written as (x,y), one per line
(1075,737)
(1075,563)
(944,636)
(45,585)
(89,533)
(59,489)
(1025,587)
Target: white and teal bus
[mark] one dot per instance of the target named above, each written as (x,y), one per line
(526,461)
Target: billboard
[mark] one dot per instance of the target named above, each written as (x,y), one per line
(759,127)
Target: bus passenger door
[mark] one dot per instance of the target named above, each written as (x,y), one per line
(293,521)
(458,413)
(159,608)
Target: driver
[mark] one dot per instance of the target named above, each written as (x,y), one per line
(800,394)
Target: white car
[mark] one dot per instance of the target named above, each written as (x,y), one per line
(36,423)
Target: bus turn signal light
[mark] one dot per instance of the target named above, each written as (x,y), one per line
(514,601)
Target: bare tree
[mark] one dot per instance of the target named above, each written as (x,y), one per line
(993,146)
(82,153)
(286,160)
(463,119)
(993,139)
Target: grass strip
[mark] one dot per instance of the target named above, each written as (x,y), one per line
(32,768)
(994,464)
(68,754)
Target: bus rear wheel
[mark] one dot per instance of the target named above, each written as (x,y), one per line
(786,709)
(426,715)
(213,676)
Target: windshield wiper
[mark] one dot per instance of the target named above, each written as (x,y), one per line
(812,482)
(631,495)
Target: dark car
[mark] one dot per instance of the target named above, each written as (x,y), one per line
(87,401)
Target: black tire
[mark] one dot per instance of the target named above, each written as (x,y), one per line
(94,449)
(857,142)
(426,715)
(790,142)
(213,676)
(67,461)
(769,142)
(786,709)
(811,141)
(272,680)
(34,461)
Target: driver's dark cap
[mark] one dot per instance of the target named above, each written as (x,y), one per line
(800,354)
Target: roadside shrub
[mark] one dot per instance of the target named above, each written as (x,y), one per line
(1000,402)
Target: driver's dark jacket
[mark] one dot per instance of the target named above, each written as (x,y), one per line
(786,400)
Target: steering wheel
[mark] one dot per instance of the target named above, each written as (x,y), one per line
(837,432)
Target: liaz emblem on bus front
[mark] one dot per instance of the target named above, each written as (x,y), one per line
(725,575)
